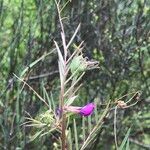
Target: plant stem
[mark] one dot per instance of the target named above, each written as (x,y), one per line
(63,131)
(63,116)
(62,93)
(115,128)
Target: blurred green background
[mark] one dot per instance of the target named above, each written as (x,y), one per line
(115,32)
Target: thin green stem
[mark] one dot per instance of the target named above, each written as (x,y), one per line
(115,127)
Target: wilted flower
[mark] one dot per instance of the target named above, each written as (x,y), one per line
(58,112)
(83,111)
(121,104)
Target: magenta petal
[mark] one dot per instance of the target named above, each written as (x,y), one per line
(87,109)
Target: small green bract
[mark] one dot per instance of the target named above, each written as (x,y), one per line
(78,65)
(46,117)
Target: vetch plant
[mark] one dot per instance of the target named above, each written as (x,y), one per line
(77,67)
(72,67)
(71,70)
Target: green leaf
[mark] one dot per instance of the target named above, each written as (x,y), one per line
(127,145)
(1,104)
(75,134)
(35,62)
(70,140)
(32,138)
(70,100)
(125,139)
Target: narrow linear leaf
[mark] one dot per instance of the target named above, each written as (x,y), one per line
(83,128)
(70,100)
(32,138)
(59,54)
(35,62)
(47,97)
(72,38)
(75,134)
(125,139)
(89,124)
(64,43)
(72,86)
(70,140)
(127,145)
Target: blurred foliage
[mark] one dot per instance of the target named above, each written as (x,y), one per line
(115,32)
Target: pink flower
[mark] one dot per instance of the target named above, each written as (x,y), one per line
(87,109)
(83,111)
